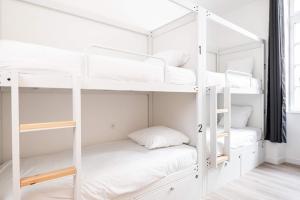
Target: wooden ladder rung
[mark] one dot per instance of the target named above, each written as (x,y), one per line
(221,135)
(47,176)
(46,126)
(219,111)
(221,159)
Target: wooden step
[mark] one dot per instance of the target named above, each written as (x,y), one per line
(221,159)
(46,126)
(47,176)
(220,111)
(221,135)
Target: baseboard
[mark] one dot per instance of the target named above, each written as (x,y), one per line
(293,161)
(275,161)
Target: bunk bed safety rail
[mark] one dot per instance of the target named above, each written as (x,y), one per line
(228,72)
(86,70)
(34,71)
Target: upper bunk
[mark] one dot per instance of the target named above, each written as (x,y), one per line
(102,68)
(46,67)
(235,56)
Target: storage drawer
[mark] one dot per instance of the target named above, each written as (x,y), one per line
(225,173)
(261,152)
(176,190)
(250,158)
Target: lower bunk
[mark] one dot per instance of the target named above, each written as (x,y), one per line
(120,170)
(246,153)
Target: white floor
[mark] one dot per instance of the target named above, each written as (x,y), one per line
(267,182)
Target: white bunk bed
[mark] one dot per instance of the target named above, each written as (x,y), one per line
(245,146)
(240,137)
(89,71)
(30,60)
(35,62)
(238,82)
(245,89)
(32,66)
(109,170)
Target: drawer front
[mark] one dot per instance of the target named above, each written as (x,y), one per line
(261,152)
(225,173)
(177,190)
(250,158)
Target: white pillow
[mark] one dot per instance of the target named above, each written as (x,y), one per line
(239,116)
(158,136)
(242,65)
(174,58)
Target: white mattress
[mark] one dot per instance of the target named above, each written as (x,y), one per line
(31,58)
(239,138)
(109,170)
(235,80)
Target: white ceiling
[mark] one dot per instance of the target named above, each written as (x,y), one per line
(223,6)
(146,14)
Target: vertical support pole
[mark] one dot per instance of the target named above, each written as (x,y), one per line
(227,119)
(15,118)
(150,94)
(201,96)
(76,94)
(213,125)
(150,109)
(265,88)
(218,61)
(150,44)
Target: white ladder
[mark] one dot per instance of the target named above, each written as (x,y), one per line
(216,159)
(18,129)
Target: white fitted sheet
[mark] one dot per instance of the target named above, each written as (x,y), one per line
(239,138)
(235,80)
(32,58)
(109,170)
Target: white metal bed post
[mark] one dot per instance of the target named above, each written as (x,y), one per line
(213,99)
(15,118)
(76,94)
(201,96)
(265,88)
(150,94)
(227,119)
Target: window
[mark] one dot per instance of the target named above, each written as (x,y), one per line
(296,6)
(295,55)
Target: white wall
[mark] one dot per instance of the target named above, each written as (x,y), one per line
(106,116)
(29,23)
(111,116)
(178,114)
(253,16)
(182,38)
(293,138)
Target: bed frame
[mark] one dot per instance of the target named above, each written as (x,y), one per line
(15,80)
